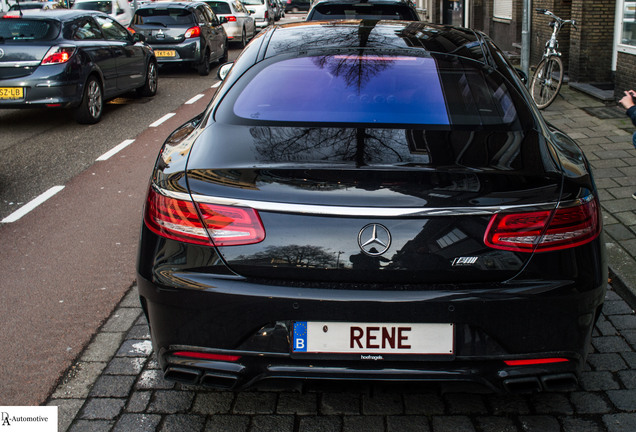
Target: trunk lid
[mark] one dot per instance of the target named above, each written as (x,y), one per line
(372,206)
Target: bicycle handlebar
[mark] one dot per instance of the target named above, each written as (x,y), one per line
(560,20)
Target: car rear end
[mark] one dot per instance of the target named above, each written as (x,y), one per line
(434,237)
(260,12)
(38,67)
(233,28)
(171,30)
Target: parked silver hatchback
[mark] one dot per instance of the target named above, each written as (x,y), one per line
(240,26)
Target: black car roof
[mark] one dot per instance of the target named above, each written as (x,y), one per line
(57,14)
(353,35)
(164,5)
(399,2)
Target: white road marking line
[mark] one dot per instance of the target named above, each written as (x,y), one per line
(161,120)
(194,99)
(32,204)
(215,85)
(115,150)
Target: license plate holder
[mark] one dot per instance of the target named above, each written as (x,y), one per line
(165,53)
(342,338)
(11,93)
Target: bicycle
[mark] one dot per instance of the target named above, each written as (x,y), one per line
(548,77)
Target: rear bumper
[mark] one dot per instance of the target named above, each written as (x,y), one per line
(186,52)
(47,85)
(202,313)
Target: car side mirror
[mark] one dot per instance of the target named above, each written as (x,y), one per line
(223,70)
(137,37)
(222,20)
(522,75)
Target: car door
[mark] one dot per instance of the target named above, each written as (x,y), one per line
(244,17)
(216,32)
(130,56)
(90,39)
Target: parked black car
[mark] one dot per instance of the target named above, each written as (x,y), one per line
(71,59)
(365,9)
(372,200)
(182,32)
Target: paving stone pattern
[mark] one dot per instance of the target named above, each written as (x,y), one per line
(116,385)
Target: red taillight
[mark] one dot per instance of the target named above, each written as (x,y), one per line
(523,232)
(131,30)
(266,15)
(206,356)
(57,55)
(535,361)
(231,18)
(179,220)
(193,32)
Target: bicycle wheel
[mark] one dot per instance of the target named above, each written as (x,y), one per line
(547,81)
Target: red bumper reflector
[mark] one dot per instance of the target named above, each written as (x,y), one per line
(534,361)
(206,356)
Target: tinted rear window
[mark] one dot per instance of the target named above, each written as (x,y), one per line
(220,8)
(164,16)
(375,89)
(28,29)
(362,11)
(101,6)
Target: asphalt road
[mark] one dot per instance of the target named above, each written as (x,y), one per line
(67,263)
(42,148)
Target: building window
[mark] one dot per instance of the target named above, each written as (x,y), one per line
(628,24)
(503,9)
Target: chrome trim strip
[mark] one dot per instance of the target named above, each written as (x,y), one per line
(379,212)
(15,64)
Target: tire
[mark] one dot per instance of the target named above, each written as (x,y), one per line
(204,66)
(224,57)
(243,38)
(152,78)
(92,106)
(546,81)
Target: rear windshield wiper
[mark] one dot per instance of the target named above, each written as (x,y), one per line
(156,23)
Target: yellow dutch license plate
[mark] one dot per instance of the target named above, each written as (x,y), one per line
(11,93)
(165,53)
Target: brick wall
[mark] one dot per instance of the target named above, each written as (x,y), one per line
(625,73)
(591,45)
(541,31)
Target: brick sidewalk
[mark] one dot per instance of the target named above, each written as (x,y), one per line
(607,143)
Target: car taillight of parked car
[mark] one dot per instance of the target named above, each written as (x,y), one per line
(185,221)
(231,18)
(58,54)
(193,32)
(545,230)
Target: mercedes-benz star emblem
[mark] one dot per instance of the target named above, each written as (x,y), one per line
(374,239)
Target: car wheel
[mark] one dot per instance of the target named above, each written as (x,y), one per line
(152,78)
(204,66)
(224,57)
(90,110)
(243,38)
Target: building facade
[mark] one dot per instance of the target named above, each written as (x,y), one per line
(601,51)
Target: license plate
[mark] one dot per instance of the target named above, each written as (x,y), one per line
(373,338)
(165,53)
(11,93)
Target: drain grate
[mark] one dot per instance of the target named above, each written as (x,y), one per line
(605,112)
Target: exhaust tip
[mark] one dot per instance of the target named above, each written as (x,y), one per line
(522,385)
(182,375)
(560,382)
(219,381)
